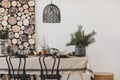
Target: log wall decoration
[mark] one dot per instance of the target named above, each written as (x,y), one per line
(19,17)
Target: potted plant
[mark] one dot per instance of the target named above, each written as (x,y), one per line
(4,34)
(81,40)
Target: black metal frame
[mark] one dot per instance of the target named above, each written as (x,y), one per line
(44,70)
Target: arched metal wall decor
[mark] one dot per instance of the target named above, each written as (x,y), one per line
(51,14)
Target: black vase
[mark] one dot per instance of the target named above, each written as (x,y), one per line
(80,51)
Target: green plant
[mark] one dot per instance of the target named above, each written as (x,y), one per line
(80,39)
(4,33)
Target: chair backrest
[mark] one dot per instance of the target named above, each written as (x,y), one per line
(49,64)
(16,68)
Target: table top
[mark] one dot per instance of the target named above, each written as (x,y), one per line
(103,73)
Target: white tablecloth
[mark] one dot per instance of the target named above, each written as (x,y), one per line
(67,65)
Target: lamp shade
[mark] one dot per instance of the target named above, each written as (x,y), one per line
(51,14)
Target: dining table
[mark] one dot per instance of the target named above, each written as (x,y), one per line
(68,65)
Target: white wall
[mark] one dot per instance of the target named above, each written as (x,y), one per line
(103,16)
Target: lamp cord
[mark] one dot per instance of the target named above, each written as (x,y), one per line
(51,1)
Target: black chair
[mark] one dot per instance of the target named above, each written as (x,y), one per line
(20,72)
(47,72)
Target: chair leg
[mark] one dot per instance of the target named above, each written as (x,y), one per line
(68,76)
(1,75)
(42,79)
(81,77)
(59,79)
(34,77)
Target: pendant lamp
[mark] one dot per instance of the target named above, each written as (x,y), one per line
(51,14)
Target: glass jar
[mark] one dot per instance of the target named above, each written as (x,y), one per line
(3,46)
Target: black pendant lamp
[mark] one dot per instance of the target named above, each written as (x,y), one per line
(51,14)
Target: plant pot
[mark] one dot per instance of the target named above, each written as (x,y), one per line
(80,51)
(43,51)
